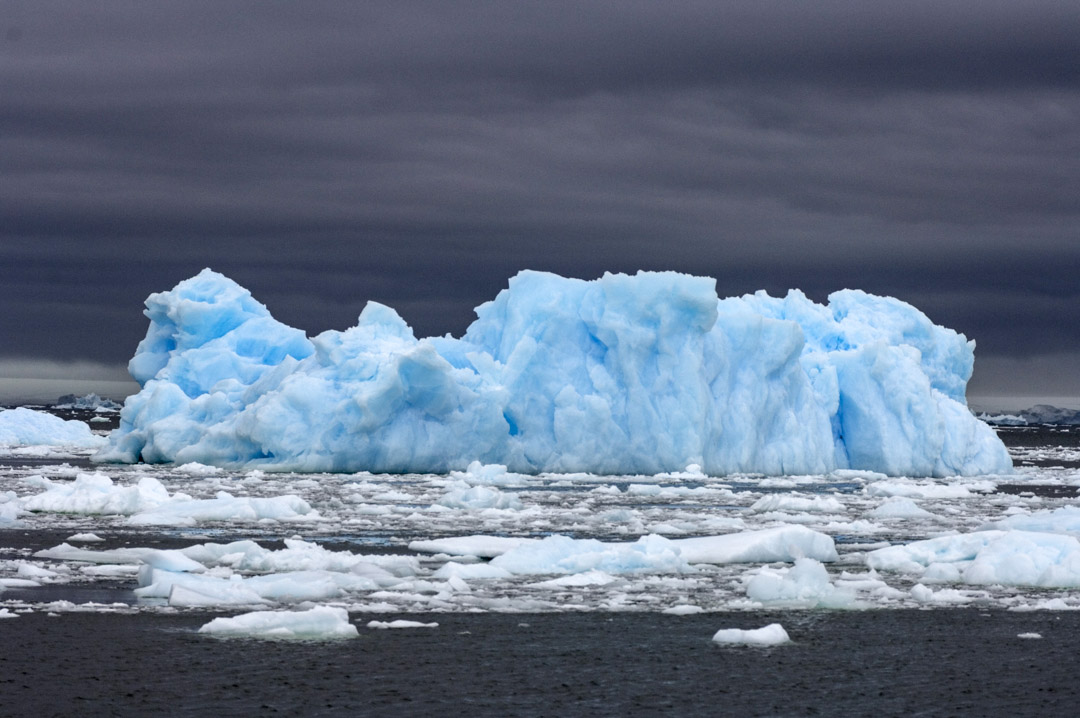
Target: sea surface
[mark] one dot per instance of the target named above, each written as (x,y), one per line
(81,642)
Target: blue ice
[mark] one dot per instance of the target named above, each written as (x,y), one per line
(620,375)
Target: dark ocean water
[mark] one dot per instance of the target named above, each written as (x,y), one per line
(966,661)
(963,662)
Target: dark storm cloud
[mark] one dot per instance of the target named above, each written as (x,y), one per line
(419,154)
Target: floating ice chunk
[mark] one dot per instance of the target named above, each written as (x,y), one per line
(478,474)
(922,594)
(35,573)
(213,593)
(783,543)
(114,571)
(316,623)
(562,554)
(804,585)
(1029,635)
(85,538)
(622,375)
(899,507)
(300,555)
(479,497)
(924,490)
(226,508)
(96,494)
(796,503)
(185,589)
(6,613)
(400,623)
(683,609)
(164,559)
(10,507)
(194,468)
(1013,558)
(470,571)
(26,427)
(481,546)
(589,578)
(771,635)
(1065,520)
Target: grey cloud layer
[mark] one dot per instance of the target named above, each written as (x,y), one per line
(418,154)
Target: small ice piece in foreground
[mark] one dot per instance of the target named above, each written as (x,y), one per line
(26,427)
(318,622)
(400,623)
(5,613)
(85,538)
(771,635)
(1029,635)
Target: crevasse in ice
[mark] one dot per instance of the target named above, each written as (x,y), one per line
(620,375)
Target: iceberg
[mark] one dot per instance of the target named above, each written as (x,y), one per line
(26,427)
(624,374)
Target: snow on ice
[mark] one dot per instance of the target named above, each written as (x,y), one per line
(622,375)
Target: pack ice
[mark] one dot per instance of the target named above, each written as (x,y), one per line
(621,375)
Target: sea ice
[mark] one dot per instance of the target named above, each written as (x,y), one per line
(1064,520)
(1011,558)
(26,427)
(400,623)
(771,635)
(317,622)
(621,375)
(899,507)
(148,502)
(804,585)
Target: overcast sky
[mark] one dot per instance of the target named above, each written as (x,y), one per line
(420,153)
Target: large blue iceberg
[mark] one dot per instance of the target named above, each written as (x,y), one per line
(621,375)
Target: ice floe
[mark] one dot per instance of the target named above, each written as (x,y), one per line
(771,635)
(320,622)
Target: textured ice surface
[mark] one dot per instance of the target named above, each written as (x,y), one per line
(621,375)
(771,635)
(384,545)
(1018,558)
(148,502)
(804,585)
(26,427)
(317,622)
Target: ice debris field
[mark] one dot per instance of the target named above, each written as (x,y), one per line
(629,444)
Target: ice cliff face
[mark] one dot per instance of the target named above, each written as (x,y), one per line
(621,375)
